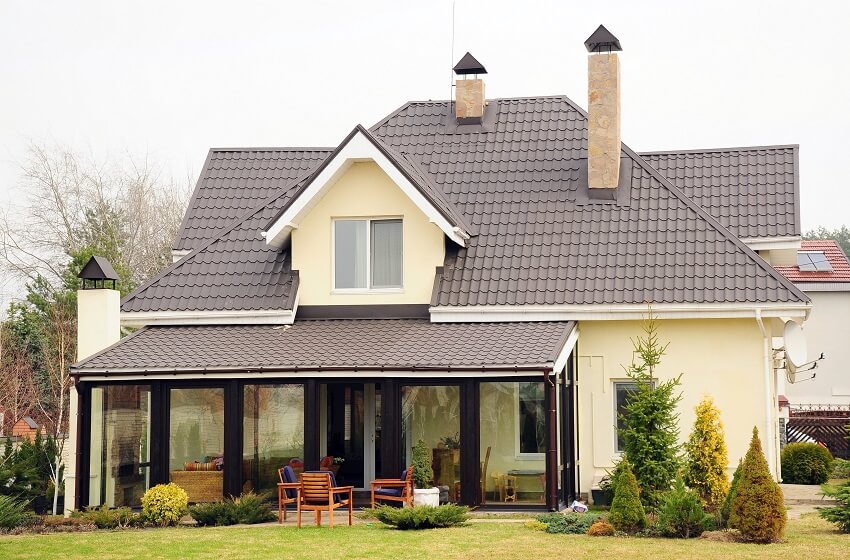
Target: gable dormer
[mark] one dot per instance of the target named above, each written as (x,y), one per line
(367,229)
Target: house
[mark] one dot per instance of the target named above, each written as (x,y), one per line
(822,271)
(26,429)
(465,273)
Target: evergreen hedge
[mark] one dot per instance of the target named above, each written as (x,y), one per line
(627,513)
(758,509)
(805,463)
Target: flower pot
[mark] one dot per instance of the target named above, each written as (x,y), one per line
(600,497)
(426,497)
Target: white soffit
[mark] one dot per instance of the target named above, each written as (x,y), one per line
(358,149)
(772,243)
(240,317)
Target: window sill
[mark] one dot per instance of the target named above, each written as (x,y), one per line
(366,292)
(529,456)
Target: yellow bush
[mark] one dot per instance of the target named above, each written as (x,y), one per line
(165,504)
(707,458)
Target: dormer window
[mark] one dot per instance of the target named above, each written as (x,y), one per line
(367,254)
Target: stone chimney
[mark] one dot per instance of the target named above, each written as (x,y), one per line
(603,113)
(469,92)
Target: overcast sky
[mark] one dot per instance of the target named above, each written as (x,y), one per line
(171,79)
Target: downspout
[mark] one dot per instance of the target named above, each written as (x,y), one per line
(552,443)
(768,396)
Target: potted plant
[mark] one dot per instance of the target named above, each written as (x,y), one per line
(424,494)
(336,465)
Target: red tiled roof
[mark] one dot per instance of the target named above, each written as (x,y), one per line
(836,257)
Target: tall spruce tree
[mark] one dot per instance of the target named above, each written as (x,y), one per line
(651,431)
(707,459)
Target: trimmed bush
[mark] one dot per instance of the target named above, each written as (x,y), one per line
(422,517)
(601,528)
(840,514)
(627,513)
(726,508)
(707,460)
(104,518)
(249,508)
(681,514)
(423,474)
(164,504)
(535,525)
(806,463)
(758,511)
(13,513)
(568,523)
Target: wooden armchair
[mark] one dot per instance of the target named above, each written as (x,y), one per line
(318,492)
(287,491)
(394,489)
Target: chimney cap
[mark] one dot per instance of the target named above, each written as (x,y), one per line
(602,40)
(469,65)
(98,268)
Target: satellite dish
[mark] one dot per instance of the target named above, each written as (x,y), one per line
(796,350)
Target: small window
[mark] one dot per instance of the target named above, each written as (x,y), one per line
(531,418)
(367,254)
(622,392)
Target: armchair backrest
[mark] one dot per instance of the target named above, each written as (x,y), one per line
(316,487)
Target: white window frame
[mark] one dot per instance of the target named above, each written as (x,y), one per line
(368,289)
(518,454)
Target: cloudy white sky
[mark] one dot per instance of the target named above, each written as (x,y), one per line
(170,79)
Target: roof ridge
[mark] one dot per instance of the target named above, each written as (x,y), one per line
(716,150)
(273,149)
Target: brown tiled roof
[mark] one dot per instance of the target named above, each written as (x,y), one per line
(751,191)
(833,253)
(538,242)
(236,180)
(517,181)
(340,343)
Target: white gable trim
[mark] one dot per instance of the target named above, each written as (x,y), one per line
(565,352)
(514,313)
(358,148)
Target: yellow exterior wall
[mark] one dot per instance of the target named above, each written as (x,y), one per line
(723,358)
(365,191)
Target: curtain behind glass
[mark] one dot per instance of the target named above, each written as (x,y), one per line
(386,253)
(350,254)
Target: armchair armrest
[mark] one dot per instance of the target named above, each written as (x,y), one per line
(390,482)
(338,489)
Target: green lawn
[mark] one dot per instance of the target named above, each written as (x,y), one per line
(809,537)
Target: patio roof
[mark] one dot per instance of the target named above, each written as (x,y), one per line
(335,345)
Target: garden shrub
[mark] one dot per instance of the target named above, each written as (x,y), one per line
(681,514)
(627,513)
(14,513)
(422,517)
(726,508)
(840,514)
(758,510)
(601,528)
(805,463)
(651,434)
(706,462)
(423,473)
(105,518)
(535,525)
(840,468)
(164,504)
(568,523)
(249,508)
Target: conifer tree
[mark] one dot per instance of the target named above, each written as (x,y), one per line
(726,509)
(758,509)
(706,457)
(627,513)
(651,422)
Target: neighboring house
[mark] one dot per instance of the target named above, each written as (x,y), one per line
(26,428)
(470,274)
(822,271)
